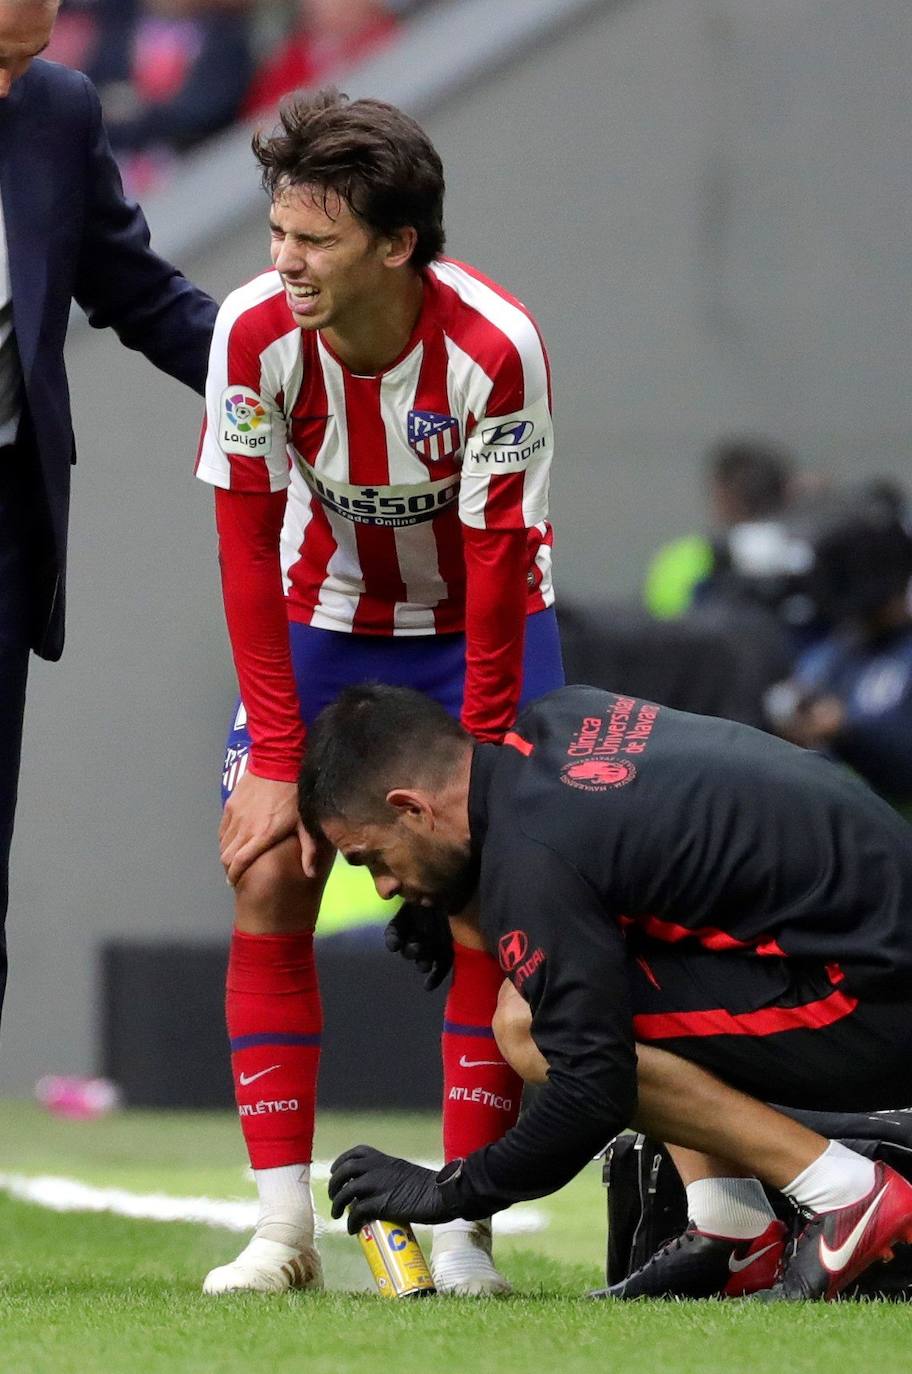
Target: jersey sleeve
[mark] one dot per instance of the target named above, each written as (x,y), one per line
(495,623)
(567,957)
(509,442)
(243,441)
(255,613)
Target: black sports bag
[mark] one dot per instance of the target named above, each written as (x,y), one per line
(647,1205)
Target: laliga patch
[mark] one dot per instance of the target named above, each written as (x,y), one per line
(245,425)
(598,775)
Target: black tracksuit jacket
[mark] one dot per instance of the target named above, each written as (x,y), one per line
(602,811)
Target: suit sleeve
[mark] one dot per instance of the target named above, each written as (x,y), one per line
(566,956)
(503,494)
(122,284)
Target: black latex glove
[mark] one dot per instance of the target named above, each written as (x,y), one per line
(374,1186)
(422,935)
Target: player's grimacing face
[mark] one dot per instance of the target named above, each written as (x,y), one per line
(429,870)
(329,263)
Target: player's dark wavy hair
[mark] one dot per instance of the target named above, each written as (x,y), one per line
(374,156)
(370,739)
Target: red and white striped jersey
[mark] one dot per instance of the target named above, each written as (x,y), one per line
(383,471)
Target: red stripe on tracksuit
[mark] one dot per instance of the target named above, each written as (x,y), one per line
(669,932)
(670,1025)
(517,742)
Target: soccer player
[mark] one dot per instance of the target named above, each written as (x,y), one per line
(379,435)
(733,903)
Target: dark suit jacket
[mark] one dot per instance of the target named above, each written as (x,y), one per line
(72,235)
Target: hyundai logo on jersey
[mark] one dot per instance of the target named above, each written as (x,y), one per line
(513,432)
(433,435)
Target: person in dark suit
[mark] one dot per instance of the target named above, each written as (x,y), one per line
(66,233)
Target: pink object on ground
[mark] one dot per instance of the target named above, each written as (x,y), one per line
(81,1099)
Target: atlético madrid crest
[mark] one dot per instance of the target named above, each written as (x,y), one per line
(432,435)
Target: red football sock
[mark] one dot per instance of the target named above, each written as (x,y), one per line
(481,1093)
(275,1021)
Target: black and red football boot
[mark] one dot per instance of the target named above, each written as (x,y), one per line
(835,1247)
(698,1265)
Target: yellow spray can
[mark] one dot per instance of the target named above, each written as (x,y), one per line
(396,1261)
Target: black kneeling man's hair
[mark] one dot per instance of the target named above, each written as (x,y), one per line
(371,739)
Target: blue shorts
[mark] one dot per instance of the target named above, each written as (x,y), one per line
(326,661)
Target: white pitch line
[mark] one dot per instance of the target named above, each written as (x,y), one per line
(69,1195)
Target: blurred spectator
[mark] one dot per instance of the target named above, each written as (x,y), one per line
(169,72)
(173,72)
(326,35)
(851,694)
(730,585)
(748,483)
(74,33)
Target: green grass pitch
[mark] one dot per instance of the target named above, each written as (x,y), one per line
(100,1294)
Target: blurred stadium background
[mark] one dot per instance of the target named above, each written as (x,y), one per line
(705,204)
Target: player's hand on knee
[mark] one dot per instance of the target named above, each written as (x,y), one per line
(259,813)
(374,1186)
(422,935)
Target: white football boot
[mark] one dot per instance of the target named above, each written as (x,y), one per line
(267,1266)
(462,1262)
(282,1254)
